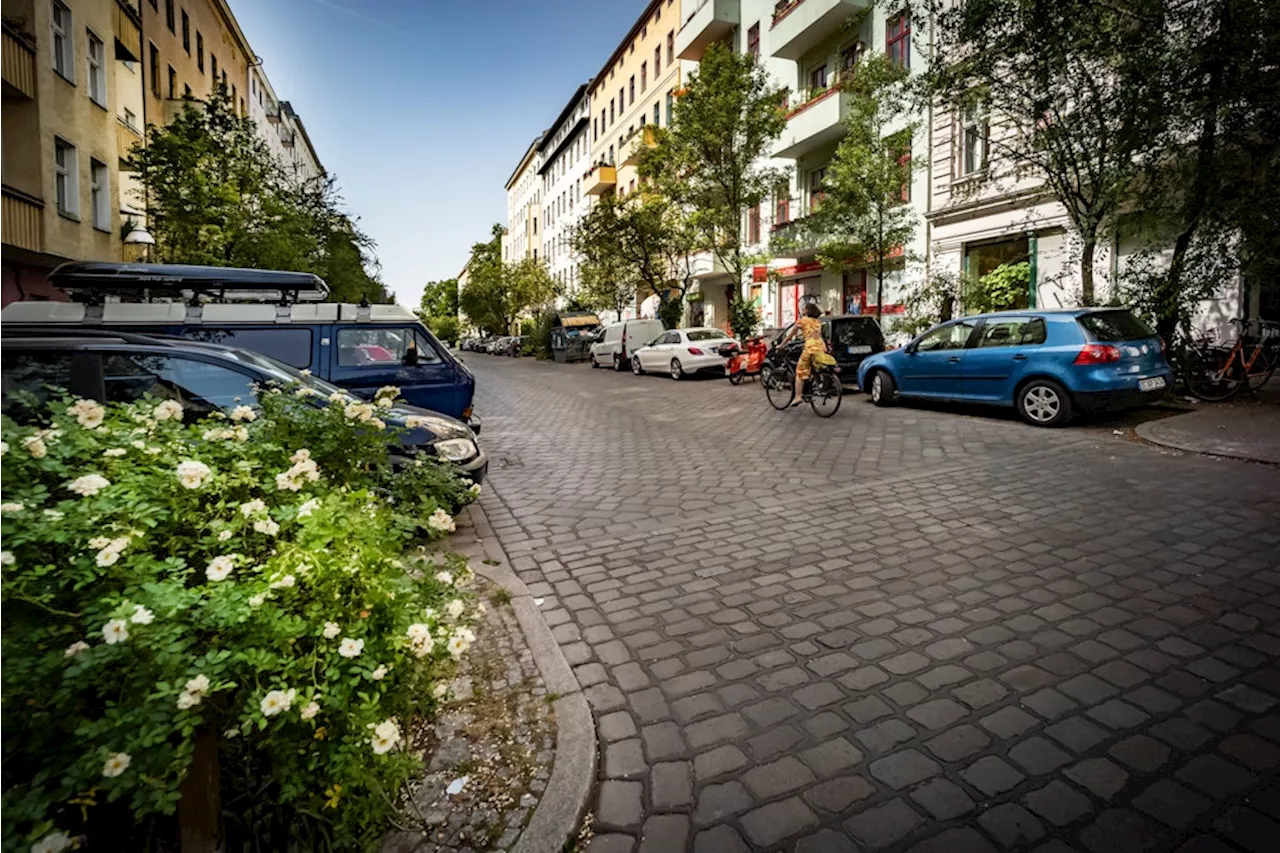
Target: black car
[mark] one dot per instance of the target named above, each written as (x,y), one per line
(119,367)
(850,338)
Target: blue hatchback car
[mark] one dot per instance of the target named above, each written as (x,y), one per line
(1046,364)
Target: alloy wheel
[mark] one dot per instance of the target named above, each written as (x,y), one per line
(1041,403)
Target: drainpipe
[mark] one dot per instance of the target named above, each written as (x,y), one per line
(1033,251)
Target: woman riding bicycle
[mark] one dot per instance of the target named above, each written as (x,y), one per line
(810,328)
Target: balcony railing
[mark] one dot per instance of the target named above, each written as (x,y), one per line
(127,137)
(783,8)
(600,178)
(127,24)
(19,64)
(23,220)
(798,100)
(795,235)
(709,21)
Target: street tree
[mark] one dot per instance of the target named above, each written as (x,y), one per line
(863,217)
(439,309)
(608,282)
(710,161)
(482,298)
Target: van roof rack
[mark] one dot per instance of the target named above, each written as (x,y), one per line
(95,280)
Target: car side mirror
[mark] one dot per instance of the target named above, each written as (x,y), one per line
(910,349)
(411,357)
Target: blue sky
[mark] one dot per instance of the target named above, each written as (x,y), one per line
(423,107)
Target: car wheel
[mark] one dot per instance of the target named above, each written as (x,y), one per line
(595,365)
(617,362)
(884,391)
(1043,402)
(635,366)
(677,372)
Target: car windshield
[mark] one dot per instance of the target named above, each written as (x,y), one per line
(856,333)
(1115,326)
(286,373)
(705,335)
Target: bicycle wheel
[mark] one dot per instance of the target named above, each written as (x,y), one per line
(1263,367)
(777,387)
(825,394)
(1214,374)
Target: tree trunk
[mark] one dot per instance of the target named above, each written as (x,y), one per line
(200,804)
(1086,270)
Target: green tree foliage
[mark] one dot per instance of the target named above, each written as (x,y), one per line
(215,195)
(498,293)
(607,279)
(1003,288)
(709,162)
(863,217)
(439,309)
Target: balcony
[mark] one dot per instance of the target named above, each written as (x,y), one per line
(287,137)
(710,22)
(796,236)
(600,179)
(645,137)
(19,63)
(800,25)
(22,218)
(706,265)
(817,121)
(127,25)
(126,138)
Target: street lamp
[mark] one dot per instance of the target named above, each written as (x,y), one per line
(140,237)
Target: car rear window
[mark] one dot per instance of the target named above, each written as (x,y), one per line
(1115,326)
(856,333)
(705,335)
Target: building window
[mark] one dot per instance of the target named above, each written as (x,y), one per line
(897,39)
(849,57)
(782,206)
(97,73)
(632,88)
(130,118)
(817,80)
(644,76)
(816,177)
(186,32)
(753,225)
(657,62)
(100,195)
(974,133)
(200,51)
(611,112)
(622,101)
(173,82)
(671,48)
(903,144)
(64,56)
(168,14)
(595,130)
(235,96)
(213,69)
(186,92)
(155,71)
(670,105)
(66,179)
(657,113)
(753,41)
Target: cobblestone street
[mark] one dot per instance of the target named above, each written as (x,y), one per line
(898,629)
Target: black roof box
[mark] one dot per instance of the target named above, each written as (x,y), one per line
(169,280)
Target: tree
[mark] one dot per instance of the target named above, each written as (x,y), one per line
(863,216)
(480,300)
(709,161)
(440,298)
(608,282)
(1073,90)
(528,287)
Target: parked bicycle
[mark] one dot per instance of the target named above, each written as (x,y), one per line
(1215,372)
(821,390)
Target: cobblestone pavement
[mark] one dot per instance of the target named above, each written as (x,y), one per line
(899,629)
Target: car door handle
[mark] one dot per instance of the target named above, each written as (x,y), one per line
(955,359)
(1019,357)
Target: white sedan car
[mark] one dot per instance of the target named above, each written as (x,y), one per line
(681,352)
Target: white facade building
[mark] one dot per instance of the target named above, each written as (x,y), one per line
(565,154)
(281,128)
(524,196)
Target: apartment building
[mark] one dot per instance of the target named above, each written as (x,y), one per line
(191,47)
(524,207)
(281,128)
(69,118)
(565,152)
(633,89)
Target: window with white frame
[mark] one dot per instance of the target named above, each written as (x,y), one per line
(64,57)
(66,177)
(975,132)
(97,72)
(100,195)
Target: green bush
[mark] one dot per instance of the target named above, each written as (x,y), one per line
(167,583)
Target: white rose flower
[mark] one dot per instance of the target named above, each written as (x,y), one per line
(138,445)
(253,507)
(240,434)
(169,410)
(379,673)
(331,630)
(187,700)
(115,631)
(243,413)
(306,371)
(350,648)
(455,608)
(219,568)
(198,685)
(466,634)
(224,535)
(458,646)
(277,701)
(445,578)
(418,631)
(377,423)
(87,413)
(142,616)
(11,507)
(35,446)
(423,647)
(300,455)
(415,421)
(117,763)
(114,451)
(257,600)
(474,490)
(309,710)
(192,474)
(88,485)
(54,514)
(100,542)
(385,737)
(388,391)
(284,583)
(267,526)
(384,402)
(6,558)
(440,520)
(440,690)
(307,508)
(79,647)
(54,842)
(155,451)
(287,482)
(4,447)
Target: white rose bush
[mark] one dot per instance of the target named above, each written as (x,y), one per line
(175,593)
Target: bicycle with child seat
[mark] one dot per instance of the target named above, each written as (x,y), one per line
(1214,373)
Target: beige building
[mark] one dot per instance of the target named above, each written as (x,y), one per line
(524,207)
(634,88)
(192,46)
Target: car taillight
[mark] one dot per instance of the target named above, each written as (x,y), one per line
(466,413)
(1098,354)
(694,351)
(1164,348)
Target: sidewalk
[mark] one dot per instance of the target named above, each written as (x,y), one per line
(1247,429)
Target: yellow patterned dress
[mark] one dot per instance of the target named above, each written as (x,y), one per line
(811,331)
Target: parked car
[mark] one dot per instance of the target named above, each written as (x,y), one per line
(122,367)
(681,352)
(517,346)
(850,339)
(1046,364)
(359,348)
(619,340)
(495,345)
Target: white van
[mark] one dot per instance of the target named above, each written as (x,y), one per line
(620,340)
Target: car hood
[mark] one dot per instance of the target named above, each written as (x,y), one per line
(434,426)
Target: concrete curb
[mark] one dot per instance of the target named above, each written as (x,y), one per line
(1156,433)
(563,803)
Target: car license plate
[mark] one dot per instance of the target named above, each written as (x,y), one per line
(862,350)
(1151,384)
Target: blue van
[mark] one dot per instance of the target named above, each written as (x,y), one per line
(359,348)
